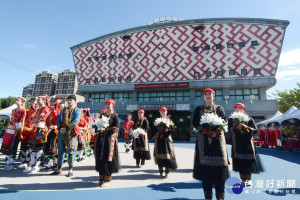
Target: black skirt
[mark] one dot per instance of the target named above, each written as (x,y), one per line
(163,147)
(207,173)
(139,154)
(51,145)
(244,166)
(103,166)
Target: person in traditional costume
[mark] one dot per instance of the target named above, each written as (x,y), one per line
(81,138)
(87,150)
(245,157)
(128,128)
(51,145)
(13,133)
(67,124)
(164,154)
(107,156)
(94,133)
(25,154)
(39,134)
(211,159)
(141,150)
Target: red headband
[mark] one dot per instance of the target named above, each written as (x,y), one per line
(208,90)
(23,98)
(141,111)
(47,100)
(111,101)
(163,108)
(240,105)
(103,110)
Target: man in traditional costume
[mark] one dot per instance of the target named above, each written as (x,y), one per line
(67,124)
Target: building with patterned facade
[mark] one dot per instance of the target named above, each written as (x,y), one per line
(171,63)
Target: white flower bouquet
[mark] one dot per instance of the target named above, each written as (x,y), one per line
(101,123)
(162,122)
(213,121)
(138,132)
(240,117)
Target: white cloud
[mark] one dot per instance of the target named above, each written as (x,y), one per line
(30,46)
(289,74)
(290,58)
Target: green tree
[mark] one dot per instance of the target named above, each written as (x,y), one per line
(6,102)
(288,98)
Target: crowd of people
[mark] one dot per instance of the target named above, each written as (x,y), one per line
(58,133)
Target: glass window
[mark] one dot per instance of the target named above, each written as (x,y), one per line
(103,79)
(97,58)
(197,28)
(122,96)
(244,71)
(230,45)
(197,74)
(88,80)
(104,57)
(196,49)
(129,55)
(218,46)
(231,72)
(128,78)
(112,57)
(256,71)
(111,79)
(208,73)
(241,44)
(206,47)
(243,94)
(99,97)
(220,73)
(119,79)
(198,95)
(164,96)
(120,56)
(96,80)
(254,43)
(89,59)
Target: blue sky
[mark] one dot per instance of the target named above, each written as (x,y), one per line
(37,35)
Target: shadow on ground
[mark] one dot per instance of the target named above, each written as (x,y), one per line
(172,187)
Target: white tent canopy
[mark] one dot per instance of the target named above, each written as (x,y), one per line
(6,112)
(265,122)
(287,115)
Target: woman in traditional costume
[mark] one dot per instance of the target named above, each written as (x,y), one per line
(164,154)
(211,159)
(245,158)
(141,151)
(13,133)
(107,157)
(25,154)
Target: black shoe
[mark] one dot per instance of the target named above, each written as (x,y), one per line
(70,174)
(56,173)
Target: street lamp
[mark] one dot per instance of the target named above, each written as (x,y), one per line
(252,97)
(226,99)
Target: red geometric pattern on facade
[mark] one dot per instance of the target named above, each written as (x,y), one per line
(167,54)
